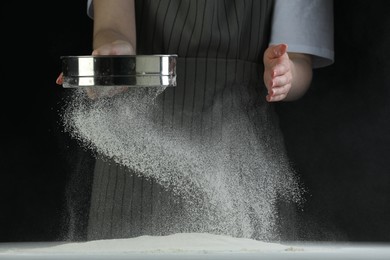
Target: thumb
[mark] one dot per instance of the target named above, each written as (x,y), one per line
(60,79)
(276,51)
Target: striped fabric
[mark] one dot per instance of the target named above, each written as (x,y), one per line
(222,29)
(220,44)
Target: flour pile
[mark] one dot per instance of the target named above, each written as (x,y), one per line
(181,244)
(230,183)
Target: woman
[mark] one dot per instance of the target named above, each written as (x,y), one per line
(219,164)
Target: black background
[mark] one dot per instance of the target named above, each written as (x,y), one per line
(337,135)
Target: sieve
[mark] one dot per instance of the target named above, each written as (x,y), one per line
(119,70)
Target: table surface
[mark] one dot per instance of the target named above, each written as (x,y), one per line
(156,249)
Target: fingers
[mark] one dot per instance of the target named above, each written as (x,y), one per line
(277,72)
(279,68)
(278,87)
(60,79)
(278,93)
(275,51)
(280,80)
(115,48)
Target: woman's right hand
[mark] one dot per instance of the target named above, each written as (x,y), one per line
(118,47)
(115,48)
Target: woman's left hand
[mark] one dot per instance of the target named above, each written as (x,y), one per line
(277,72)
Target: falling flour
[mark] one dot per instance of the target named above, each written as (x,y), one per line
(230,184)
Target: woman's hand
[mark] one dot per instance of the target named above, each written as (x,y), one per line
(277,72)
(287,76)
(115,48)
(118,47)
(60,79)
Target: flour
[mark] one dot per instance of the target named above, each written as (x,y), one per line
(183,243)
(191,246)
(229,182)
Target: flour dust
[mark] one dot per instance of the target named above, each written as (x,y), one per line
(229,183)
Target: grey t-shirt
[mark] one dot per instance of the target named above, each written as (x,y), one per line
(306,26)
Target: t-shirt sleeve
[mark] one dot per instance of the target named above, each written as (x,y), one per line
(306,26)
(90,8)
